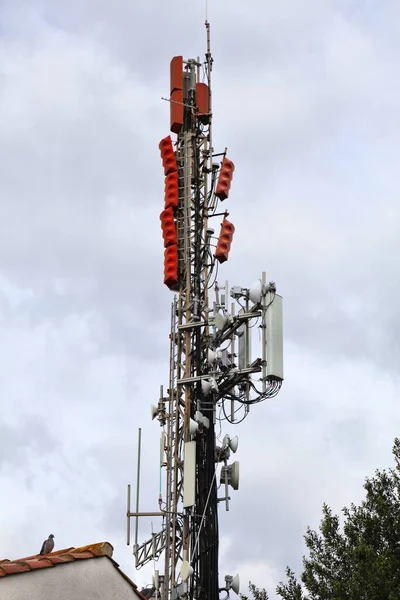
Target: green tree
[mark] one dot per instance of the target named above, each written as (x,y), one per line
(256,593)
(359,560)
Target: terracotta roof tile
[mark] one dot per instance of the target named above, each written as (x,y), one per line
(10,568)
(41,563)
(60,559)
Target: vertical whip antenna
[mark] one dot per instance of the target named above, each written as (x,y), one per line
(138,486)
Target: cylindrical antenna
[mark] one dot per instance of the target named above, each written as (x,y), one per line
(128,519)
(162,444)
(162,403)
(209,57)
(226,487)
(138,486)
(226,295)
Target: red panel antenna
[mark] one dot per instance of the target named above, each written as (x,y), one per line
(168,155)
(203,102)
(176,104)
(225,179)
(176,73)
(176,98)
(171,190)
(224,241)
(168,227)
(171,267)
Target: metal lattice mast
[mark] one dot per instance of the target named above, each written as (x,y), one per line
(210,349)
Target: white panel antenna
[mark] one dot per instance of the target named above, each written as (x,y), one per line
(274,337)
(189,475)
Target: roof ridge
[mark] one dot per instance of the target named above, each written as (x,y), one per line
(66,555)
(97,549)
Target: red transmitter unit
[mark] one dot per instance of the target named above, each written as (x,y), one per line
(176,100)
(168,227)
(224,241)
(168,155)
(171,190)
(225,179)
(171,267)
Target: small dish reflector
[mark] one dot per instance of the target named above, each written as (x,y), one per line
(234,479)
(193,427)
(205,386)
(154,411)
(213,356)
(232,583)
(214,384)
(255,291)
(209,385)
(233,443)
(220,321)
(186,570)
(235,585)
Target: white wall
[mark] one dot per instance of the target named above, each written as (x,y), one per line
(85,579)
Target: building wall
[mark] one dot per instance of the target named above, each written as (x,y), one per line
(90,579)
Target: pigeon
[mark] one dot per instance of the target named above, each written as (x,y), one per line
(48,545)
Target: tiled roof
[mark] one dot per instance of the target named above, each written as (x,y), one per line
(38,561)
(68,555)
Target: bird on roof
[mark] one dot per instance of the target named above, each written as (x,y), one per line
(48,545)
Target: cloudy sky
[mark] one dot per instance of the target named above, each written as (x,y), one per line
(307,99)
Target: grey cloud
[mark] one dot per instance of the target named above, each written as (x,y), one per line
(19,441)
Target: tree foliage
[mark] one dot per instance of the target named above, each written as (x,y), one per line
(256,593)
(358,560)
(361,560)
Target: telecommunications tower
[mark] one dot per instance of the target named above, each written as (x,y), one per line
(212,375)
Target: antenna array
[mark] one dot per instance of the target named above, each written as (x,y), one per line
(212,374)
